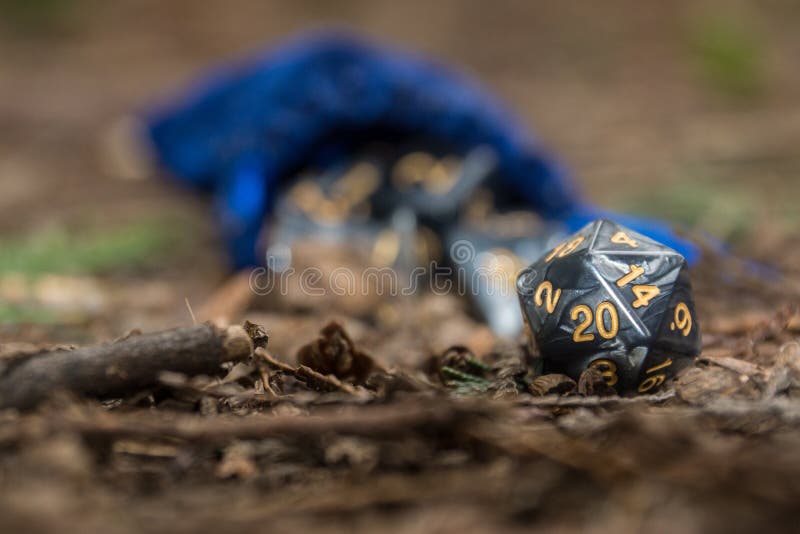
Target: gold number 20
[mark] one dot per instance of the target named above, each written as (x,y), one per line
(604,309)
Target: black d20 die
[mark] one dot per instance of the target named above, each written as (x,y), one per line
(614,299)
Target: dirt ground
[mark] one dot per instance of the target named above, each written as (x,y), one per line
(651,113)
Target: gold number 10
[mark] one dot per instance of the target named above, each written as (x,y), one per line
(565,248)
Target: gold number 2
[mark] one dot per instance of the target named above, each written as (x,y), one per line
(578,335)
(604,309)
(545,290)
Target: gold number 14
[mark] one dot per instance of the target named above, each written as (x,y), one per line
(643,293)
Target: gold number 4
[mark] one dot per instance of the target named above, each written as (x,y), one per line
(604,309)
(644,294)
(621,238)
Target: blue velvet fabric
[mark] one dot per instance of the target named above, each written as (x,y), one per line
(243,129)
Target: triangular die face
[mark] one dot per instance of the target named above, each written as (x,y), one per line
(572,325)
(546,284)
(679,332)
(644,283)
(657,368)
(611,237)
(627,270)
(569,273)
(577,243)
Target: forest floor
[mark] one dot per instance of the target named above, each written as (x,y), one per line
(650,112)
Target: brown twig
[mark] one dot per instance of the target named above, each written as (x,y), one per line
(266,356)
(119,368)
(307,375)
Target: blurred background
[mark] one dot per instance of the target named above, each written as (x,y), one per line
(687,110)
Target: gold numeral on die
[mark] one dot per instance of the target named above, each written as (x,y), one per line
(654,380)
(564,248)
(605,314)
(621,238)
(547,296)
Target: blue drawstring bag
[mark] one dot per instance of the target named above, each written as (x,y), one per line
(244,130)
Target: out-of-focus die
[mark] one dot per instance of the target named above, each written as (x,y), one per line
(613,299)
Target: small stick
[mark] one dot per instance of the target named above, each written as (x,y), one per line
(191,311)
(270,359)
(310,377)
(320,382)
(119,368)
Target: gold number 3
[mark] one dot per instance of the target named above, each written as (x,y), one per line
(608,369)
